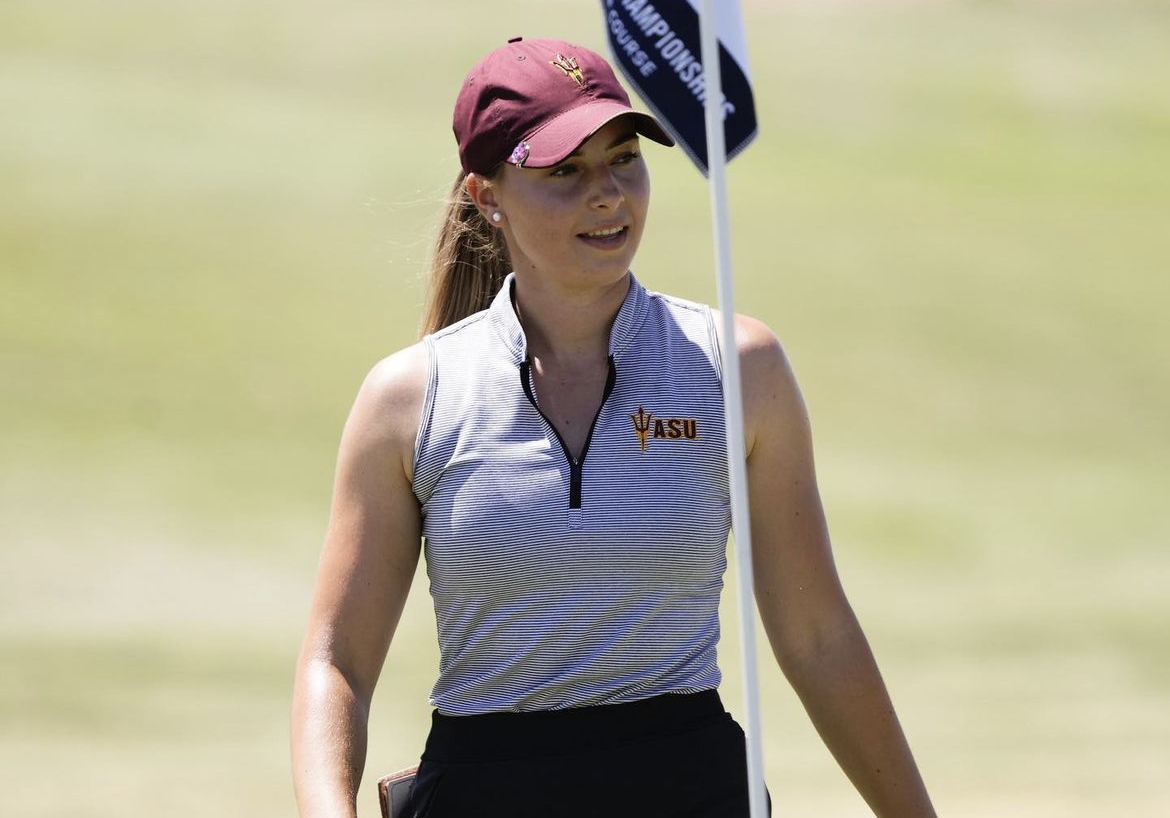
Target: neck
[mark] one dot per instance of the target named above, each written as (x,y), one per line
(568,325)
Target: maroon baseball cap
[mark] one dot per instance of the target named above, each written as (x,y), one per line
(533,102)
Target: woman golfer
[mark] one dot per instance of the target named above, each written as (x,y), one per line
(555,444)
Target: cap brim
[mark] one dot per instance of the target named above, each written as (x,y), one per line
(559,137)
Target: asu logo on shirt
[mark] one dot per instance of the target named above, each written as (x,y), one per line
(648,427)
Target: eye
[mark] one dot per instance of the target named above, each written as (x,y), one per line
(626,157)
(561,171)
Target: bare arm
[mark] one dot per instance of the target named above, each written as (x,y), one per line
(369,558)
(811,627)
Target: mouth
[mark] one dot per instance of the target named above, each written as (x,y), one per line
(606,236)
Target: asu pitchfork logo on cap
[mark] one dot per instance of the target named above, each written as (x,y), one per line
(571,68)
(648,427)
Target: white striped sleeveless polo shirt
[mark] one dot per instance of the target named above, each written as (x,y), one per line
(562,584)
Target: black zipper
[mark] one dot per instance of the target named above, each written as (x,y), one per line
(576,464)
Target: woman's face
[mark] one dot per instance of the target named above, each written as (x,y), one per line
(578,224)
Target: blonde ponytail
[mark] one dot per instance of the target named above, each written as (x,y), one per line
(470,263)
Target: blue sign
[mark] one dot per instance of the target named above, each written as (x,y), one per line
(657,48)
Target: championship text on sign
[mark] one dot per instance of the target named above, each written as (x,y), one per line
(657,47)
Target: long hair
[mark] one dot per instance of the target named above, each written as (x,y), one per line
(470,263)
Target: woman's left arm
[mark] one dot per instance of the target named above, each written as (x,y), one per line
(811,627)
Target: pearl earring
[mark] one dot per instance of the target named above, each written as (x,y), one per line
(497,217)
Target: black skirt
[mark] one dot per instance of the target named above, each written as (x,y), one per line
(674,756)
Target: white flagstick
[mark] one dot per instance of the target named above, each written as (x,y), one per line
(733,404)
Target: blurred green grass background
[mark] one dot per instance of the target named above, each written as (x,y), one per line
(214,217)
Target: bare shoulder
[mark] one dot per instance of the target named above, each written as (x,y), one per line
(774,409)
(757,344)
(398,381)
(771,395)
(385,414)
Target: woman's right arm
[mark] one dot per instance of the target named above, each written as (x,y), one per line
(369,558)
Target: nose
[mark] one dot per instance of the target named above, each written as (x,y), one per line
(606,191)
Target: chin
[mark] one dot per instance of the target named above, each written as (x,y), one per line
(613,272)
